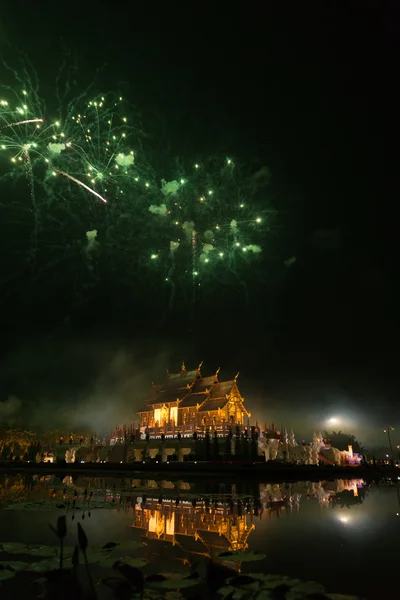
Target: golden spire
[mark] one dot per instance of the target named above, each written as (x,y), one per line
(217,371)
(237,375)
(199,367)
(166,370)
(183,368)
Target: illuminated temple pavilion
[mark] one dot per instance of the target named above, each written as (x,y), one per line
(188,401)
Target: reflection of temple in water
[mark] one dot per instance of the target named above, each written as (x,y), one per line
(277,497)
(201,517)
(199,529)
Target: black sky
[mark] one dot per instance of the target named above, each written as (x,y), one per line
(305,88)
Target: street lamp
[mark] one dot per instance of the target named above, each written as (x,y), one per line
(388,429)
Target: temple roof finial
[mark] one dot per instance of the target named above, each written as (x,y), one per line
(237,375)
(199,367)
(217,371)
(183,369)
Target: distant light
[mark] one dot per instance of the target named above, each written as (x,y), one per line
(182,181)
(153,256)
(333,421)
(196,166)
(258,220)
(344,519)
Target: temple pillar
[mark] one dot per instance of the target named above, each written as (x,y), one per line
(182,452)
(166,453)
(138,454)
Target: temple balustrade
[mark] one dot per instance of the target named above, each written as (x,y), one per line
(172,431)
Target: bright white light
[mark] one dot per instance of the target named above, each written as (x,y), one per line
(343,519)
(333,421)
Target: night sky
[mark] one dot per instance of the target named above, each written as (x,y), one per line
(309,92)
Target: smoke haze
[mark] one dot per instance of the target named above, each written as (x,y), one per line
(99,381)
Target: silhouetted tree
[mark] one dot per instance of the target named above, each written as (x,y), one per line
(342,441)
(254,444)
(6,452)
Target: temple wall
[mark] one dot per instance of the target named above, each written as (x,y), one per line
(164,451)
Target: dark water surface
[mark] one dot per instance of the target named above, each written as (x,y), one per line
(343,534)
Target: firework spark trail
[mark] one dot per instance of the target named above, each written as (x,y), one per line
(95,146)
(97,140)
(89,189)
(194,273)
(29,175)
(22,123)
(171,282)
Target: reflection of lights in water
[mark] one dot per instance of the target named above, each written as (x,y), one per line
(344,519)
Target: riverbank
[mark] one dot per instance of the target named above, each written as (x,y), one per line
(271,470)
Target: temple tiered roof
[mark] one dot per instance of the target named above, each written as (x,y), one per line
(189,389)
